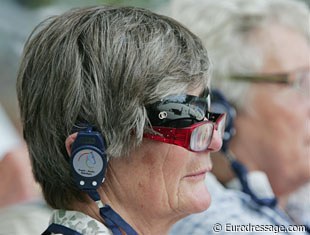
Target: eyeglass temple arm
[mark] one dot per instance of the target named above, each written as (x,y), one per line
(168,135)
(277,78)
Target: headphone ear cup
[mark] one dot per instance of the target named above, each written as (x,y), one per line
(219,104)
(88,160)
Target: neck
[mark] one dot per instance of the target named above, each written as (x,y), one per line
(89,208)
(136,218)
(282,202)
(140,218)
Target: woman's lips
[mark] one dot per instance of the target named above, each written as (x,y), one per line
(198,174)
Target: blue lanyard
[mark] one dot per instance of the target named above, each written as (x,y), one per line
(113,221)
(241,172)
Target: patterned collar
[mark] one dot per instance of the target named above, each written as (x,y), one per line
(79,222)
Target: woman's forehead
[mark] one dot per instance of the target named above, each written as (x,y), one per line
(283,49)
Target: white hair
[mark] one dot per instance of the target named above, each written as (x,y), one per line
(224,27)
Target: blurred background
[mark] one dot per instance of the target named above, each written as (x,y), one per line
(17,19)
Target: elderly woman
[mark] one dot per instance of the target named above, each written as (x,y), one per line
(115,111)
(260,51)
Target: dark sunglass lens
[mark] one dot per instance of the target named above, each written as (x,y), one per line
(177,108)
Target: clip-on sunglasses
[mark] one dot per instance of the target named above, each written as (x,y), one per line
(184,120)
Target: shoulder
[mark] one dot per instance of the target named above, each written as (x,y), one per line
(79,222)
(25,218)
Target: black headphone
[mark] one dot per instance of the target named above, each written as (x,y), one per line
(88,164)
(88,159)
(219,104)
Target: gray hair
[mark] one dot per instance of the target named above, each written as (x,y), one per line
(102,65)
(225,27)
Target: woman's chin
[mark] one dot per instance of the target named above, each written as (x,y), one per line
(202,202)
(197,198)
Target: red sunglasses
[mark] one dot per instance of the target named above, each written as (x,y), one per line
(197,137)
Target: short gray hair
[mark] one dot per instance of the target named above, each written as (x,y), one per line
(224,27)
(103,65)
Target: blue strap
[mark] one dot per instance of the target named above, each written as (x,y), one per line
(57,228)
(114,221)
(241,172)
(93,194)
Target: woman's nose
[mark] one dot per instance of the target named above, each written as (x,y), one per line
(216,142)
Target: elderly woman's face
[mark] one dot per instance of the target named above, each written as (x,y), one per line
(164,181)
(279,133)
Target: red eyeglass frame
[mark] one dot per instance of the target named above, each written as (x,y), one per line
(182,136)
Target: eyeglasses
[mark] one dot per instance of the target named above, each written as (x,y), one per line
(181,120)
(299,79)
(196,138)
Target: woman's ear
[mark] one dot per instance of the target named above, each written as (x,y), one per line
(69,141)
